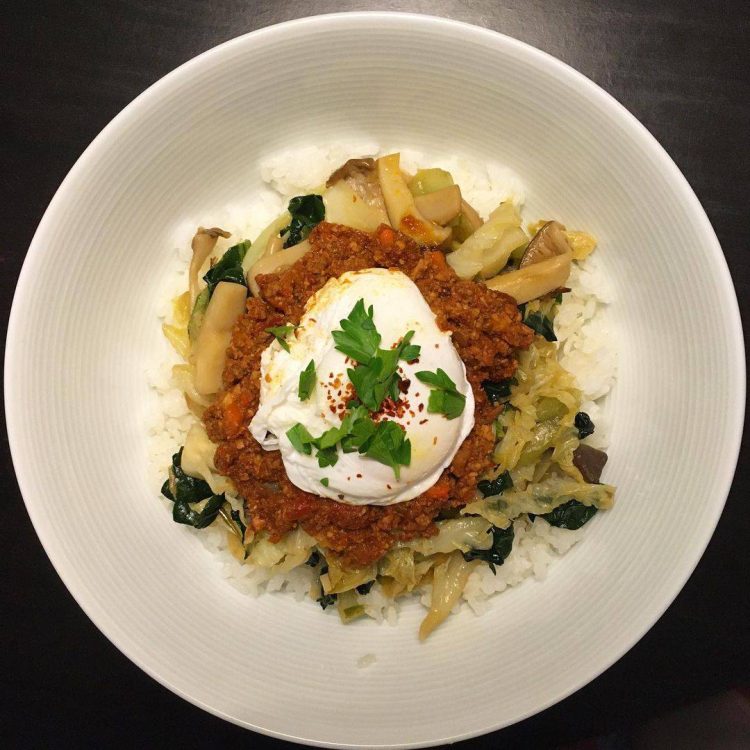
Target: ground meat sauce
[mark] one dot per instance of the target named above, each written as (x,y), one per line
(487,329)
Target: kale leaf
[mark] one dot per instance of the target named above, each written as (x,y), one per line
(228,268)
(541,324)
(502,544)
(571,515)
(497,390)
(584,425)
(490,487)
(307,212)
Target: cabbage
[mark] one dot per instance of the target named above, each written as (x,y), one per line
(448,581)
(293,550)
(455,534)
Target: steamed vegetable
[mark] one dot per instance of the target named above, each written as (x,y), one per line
(442,206)
(448,581)
(354,197)
(487,250)
(535,280)
(203,244)
(209,352)
(500,547)
(275,263)
(402,211)
(307,211)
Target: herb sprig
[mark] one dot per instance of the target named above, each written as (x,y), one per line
(376,375)
(444,397)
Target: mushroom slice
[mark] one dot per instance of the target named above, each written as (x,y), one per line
(275,263)
(353,196)
(204,241)
(399,203)
(548,242)
(226,305)
(351,168)
(442,206)
(535,280)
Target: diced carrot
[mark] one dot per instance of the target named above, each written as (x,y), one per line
(439,491)
(386,236)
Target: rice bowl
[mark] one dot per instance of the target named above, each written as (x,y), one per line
(600,170)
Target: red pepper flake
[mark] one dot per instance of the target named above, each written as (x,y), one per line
(389,486)
(424,421)
(359,476)
(434,440)
(403,385)
(420,407)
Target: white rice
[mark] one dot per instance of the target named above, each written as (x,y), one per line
(587,348)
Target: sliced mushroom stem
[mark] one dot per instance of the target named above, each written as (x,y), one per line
(442,206)
(203,244)
(402,211)
(548,242)
(226,305)
(275,263)
(534,280)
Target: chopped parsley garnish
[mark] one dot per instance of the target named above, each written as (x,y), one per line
(300,438)
(376,375)
(444,397)
(306,381)
(324,481)
(280,333)
(384,441)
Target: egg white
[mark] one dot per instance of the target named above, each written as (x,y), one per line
(398,307)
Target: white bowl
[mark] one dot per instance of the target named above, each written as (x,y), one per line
(83,331)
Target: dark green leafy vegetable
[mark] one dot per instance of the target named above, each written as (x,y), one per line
(491,487)
(306,381)
(444,396)
(314,559)
(541,324)
(326,600)
(502,544)
(584,425)
(183,513)
(185,492)
(180,488)
(571,515)
(307,211)
(229,267)
(364,588)
(497,390)
(235,515)
(280,333)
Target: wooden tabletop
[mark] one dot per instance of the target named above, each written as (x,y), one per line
(69,67)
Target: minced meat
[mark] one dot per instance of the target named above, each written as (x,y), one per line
(487,329)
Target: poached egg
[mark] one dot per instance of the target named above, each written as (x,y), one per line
(398,307)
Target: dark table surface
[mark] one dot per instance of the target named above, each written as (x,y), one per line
(69,67)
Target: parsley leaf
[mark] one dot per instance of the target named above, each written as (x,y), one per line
(390,446)
(280,333)
(324,481)
(445,398)
(307,211)
(358,337)
(327,457)
(300,438)
(306,381)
